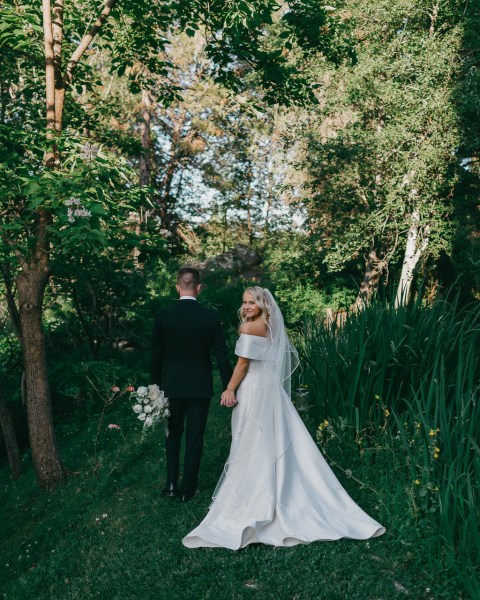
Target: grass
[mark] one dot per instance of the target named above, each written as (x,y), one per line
(108,533)
(114,537)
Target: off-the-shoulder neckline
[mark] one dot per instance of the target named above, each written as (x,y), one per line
(262,337)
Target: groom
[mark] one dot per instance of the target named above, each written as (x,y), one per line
(183,337)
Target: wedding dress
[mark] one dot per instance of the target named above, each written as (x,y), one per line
(276,487)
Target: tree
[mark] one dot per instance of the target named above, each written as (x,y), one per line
(49,207)
(465,97)
(380,150)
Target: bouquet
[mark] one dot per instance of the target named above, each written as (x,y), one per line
(151,406)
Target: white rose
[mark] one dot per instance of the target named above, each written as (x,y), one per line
(167,413)
(148,421)
(142,417)
(138,409)
(142,391)
(147,408)
(146,400)
(153,391)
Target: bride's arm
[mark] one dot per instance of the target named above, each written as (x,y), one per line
(241,368)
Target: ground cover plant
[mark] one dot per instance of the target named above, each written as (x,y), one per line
(108,533)
(406,384)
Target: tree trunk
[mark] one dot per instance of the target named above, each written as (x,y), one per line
(11,444)
(165,202)
(413,253)
(2,103)
(33,277)
(166,197)
(11,306)
(34,268)
(31,283)
(374,268)
(145,157)
(145,171)
(249,218)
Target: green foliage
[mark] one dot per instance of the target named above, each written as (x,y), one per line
(20,32)
(301,283)
(237,32)
(113,520)
(389,143)
(409,378)
(466,96)
(89,199)
(319,29)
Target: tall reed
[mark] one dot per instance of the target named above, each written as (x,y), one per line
(420,366)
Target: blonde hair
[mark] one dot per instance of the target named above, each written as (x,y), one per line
(261,300)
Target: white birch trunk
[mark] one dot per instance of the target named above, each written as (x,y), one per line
(413,252)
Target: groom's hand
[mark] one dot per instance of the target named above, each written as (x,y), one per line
(228,398)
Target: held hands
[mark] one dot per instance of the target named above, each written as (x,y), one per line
(228,399)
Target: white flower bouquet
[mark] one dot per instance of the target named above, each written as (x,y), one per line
(151,406)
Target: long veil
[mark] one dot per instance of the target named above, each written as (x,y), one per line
(281,357)
(263,441)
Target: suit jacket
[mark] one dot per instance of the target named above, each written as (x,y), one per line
(183,337)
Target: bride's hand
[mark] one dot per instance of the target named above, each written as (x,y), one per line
(228,398)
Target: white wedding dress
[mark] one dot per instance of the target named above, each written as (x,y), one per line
(276,487)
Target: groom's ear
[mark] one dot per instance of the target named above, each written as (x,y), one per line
(199,287)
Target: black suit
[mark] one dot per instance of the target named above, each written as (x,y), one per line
(183,337)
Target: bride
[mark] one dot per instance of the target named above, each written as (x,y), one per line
(276,487)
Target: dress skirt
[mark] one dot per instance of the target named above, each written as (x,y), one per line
(276,487)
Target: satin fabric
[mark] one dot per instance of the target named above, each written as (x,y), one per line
(276,487)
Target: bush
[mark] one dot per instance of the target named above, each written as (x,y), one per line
(412,375)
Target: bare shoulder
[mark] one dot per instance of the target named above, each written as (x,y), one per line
(254,328)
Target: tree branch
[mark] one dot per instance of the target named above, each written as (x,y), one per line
(11,304)
(49,63)
(423,246)
(57,61)
(57,31)
(87,39)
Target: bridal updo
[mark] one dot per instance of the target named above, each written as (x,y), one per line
(262,302)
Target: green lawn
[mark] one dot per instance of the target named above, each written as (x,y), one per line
(114,536)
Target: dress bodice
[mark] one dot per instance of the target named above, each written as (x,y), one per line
(251,346)
(255,366)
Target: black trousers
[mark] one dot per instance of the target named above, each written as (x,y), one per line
(193,412)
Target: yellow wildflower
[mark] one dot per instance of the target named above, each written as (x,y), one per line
(417,481)
(325,423)
(437,449)
(435,455)
(387,412)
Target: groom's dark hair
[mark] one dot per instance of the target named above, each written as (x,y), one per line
(188,278)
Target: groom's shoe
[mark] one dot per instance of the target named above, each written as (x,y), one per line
(170,491)
(186,497)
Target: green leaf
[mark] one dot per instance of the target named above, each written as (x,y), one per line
(97,209)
